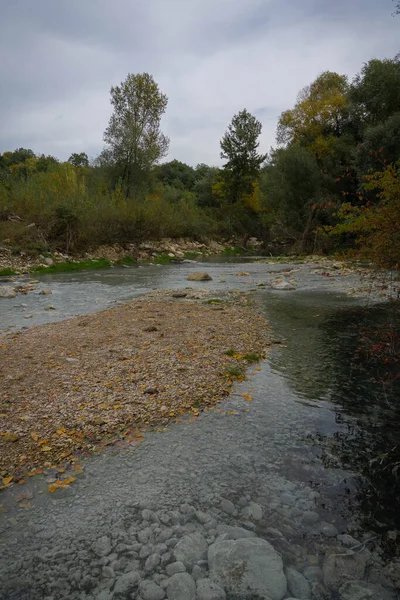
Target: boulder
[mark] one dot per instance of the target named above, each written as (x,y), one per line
(199,276)
(340,567)
(7,292)
(284,285)
(208,590)
(126,584)
(297,584)
(247,568)
(181,587)
(190,549)
(361,590)
(149,590)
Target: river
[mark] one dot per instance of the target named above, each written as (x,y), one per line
(316,450)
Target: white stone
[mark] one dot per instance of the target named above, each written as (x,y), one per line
(247,568)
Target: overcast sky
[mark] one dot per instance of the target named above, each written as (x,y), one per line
(212,58)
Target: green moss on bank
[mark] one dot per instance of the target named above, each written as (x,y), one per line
(7,272)
(69,266)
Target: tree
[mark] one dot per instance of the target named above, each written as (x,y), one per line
(176,174)
(319,115)
(376,90)
(133,137)
(239,147)
(292,186)
(79,160)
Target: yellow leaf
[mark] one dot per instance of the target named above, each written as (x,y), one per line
(46,448)
(7,480)
(34,436)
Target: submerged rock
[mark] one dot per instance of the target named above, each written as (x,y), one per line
(190,549)
(297,584)
(247,568)
(7,292)
(181,587)
(340,567)
(199,276)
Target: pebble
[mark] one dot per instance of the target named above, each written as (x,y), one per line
(149,590)
(175,567)
(227,506)
(310,517)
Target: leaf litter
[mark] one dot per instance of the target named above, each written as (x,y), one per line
(136,366)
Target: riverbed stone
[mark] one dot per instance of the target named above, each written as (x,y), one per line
(339,567)
(361,590)
(175,567)
(7,292)
(126,584)
(152,562)
(328,530)
(313,573)
(227,532)
(209,590)
(181,587)
(102,546)
(190,549)
(149,590)
(310,517)
(199,276)
(283,285)
(227,506)
(297,584)
(247,568)
(252,511)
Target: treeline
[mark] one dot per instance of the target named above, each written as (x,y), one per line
(331,183)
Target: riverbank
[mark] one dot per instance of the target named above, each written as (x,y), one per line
(14,261)
(72,385)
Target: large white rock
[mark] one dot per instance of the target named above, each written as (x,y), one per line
(247,568)
(190,549)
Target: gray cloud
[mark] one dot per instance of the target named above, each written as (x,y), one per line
(211,57)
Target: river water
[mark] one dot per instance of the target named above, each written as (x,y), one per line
(321,436)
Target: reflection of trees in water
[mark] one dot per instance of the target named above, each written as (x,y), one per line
(364,353)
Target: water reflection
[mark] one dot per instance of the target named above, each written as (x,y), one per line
(348,357)
(364,357)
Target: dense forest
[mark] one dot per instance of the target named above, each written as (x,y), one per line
(331,184)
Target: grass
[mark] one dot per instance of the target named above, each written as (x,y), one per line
(230,352)
(235,371)
(214,301)
(251,357)
(126,260)
(191,255)
(236,251)
(7,272)
(67,267)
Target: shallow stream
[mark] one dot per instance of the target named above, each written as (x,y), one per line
(314,449)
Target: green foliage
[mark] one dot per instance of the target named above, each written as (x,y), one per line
(375,226)
(376,90)
(318,117)
(239,147)
(380,146)
(79,160)
(133,137)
